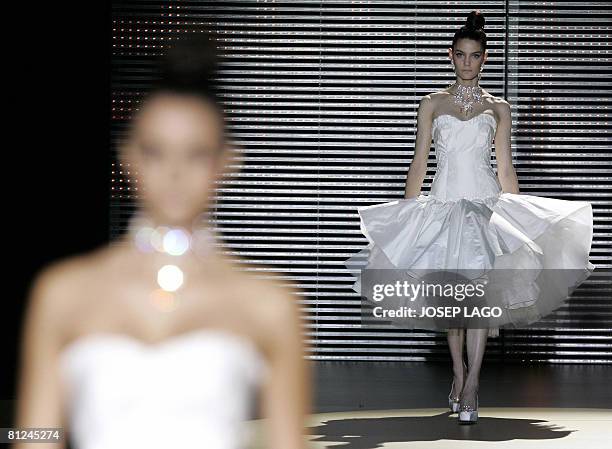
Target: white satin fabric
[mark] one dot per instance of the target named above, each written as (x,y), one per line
(193,390)
(466,222)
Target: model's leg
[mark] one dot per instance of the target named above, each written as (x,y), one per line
(476,342)
(455,339)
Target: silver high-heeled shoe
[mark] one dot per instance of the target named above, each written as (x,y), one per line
(468,414)
(453,403)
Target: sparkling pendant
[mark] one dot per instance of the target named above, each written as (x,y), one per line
(172,242)
(467,96)
(170,277)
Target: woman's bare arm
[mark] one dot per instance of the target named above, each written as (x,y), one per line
(286,394)
(503,151)
(39,395)
(418,167)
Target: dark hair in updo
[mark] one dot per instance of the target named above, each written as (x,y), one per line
(472,29)
(188,67)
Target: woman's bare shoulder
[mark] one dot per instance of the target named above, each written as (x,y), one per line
(54,292)
(434,100)
(267,290)
(497,101)
(499,105)
(271,303)
(59,282)
(436,97)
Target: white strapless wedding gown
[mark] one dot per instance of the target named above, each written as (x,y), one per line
(194,390)
(466,222)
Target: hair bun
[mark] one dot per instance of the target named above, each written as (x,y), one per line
(475,20)
(190,64)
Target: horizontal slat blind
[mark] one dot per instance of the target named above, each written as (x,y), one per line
(559,82)
(321,99)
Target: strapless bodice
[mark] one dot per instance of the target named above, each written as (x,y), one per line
(193,390)
(463,157)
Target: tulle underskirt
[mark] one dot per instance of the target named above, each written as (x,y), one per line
(536,249)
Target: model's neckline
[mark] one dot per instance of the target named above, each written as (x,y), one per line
(97,336)
(461,120)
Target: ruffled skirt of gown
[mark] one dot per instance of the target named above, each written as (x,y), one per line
(527,234)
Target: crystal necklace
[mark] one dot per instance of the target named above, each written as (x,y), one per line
(168,241)
(467,96)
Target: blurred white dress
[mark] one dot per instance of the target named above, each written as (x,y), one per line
(466,222)
(193,390)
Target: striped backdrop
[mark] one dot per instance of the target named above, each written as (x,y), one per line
(321,98)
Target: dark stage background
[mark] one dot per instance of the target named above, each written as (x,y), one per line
(56,150)
(322,98)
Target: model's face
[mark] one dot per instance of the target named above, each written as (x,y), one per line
(175,157)
(468,57)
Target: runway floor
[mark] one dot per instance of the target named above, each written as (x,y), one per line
(396,405)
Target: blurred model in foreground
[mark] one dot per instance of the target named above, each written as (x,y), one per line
(158,340)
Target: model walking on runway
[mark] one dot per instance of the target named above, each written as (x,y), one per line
(535,249)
